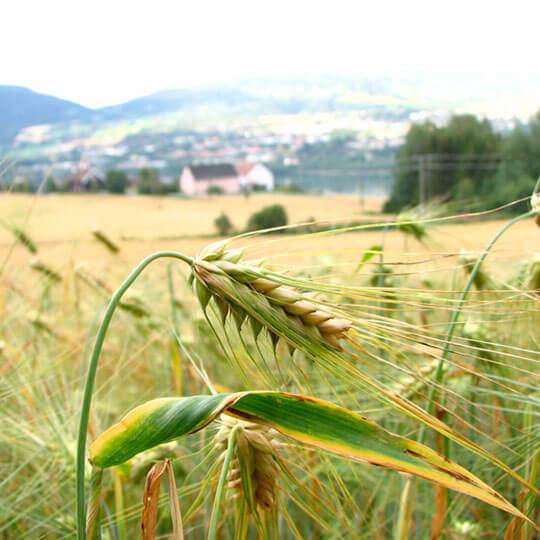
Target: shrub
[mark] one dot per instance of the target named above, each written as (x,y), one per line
(267,218)
(116,182)
(223,224)
(166,188)
(215,190)
(291,188)
(148,181)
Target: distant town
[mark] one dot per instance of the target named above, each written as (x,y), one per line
(79,164)
(343,159)
(340,136)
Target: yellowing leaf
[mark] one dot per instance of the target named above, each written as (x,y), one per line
(308,420)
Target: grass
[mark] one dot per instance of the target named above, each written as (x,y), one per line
(489,388)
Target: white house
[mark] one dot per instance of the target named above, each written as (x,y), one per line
(256,175)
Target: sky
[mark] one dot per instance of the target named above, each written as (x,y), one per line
(105,52)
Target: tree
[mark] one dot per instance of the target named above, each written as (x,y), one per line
(116,182)
(520,165)
(223,224)
(465,148)
(149,181)
(268,218)
(521,149)
(50,185)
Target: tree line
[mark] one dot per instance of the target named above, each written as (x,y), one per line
(148,181)
(466,162)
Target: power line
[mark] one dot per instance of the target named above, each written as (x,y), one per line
(424,165)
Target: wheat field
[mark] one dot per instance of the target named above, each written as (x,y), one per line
(340,327)
(62,224)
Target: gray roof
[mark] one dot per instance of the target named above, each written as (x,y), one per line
(219,170)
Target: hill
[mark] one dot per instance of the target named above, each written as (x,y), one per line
(174,100)
(21,107)
(382,97)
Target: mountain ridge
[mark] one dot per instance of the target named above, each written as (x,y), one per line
(22,107)
(378,97)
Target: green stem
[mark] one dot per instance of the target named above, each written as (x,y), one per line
(171,298)
(439,372)
(91,375)
(175,352)
(457,312)
(214,518)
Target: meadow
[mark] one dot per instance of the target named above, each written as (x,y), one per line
(412,335)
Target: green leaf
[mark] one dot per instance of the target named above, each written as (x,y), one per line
(308,420)
(368,254)
(156,422)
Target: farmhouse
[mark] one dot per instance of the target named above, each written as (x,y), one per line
(197,179)
(255,175)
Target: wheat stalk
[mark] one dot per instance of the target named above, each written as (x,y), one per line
(39,266)
(409,222)
(247,292)
(253,469)
(105,240)
(92,281)
(529,274)
(22,237)
(480,278)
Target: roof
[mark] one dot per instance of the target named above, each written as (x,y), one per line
(207,172)
(244,167)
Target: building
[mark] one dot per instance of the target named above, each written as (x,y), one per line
(197,179)
(85,178)
(255,176)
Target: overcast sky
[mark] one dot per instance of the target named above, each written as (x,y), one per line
(104,52)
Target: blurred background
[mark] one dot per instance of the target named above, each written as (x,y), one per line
(400,102)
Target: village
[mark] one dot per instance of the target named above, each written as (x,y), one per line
(81,165)
(77,163)
(217,178)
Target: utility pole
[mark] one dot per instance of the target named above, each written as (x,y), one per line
(361,190)
(429,179)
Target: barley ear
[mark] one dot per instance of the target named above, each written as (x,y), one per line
(253,472)
(274,305)
(105,240)
(38,265)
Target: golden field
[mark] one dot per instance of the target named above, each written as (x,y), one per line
(399,313)
(61,226)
